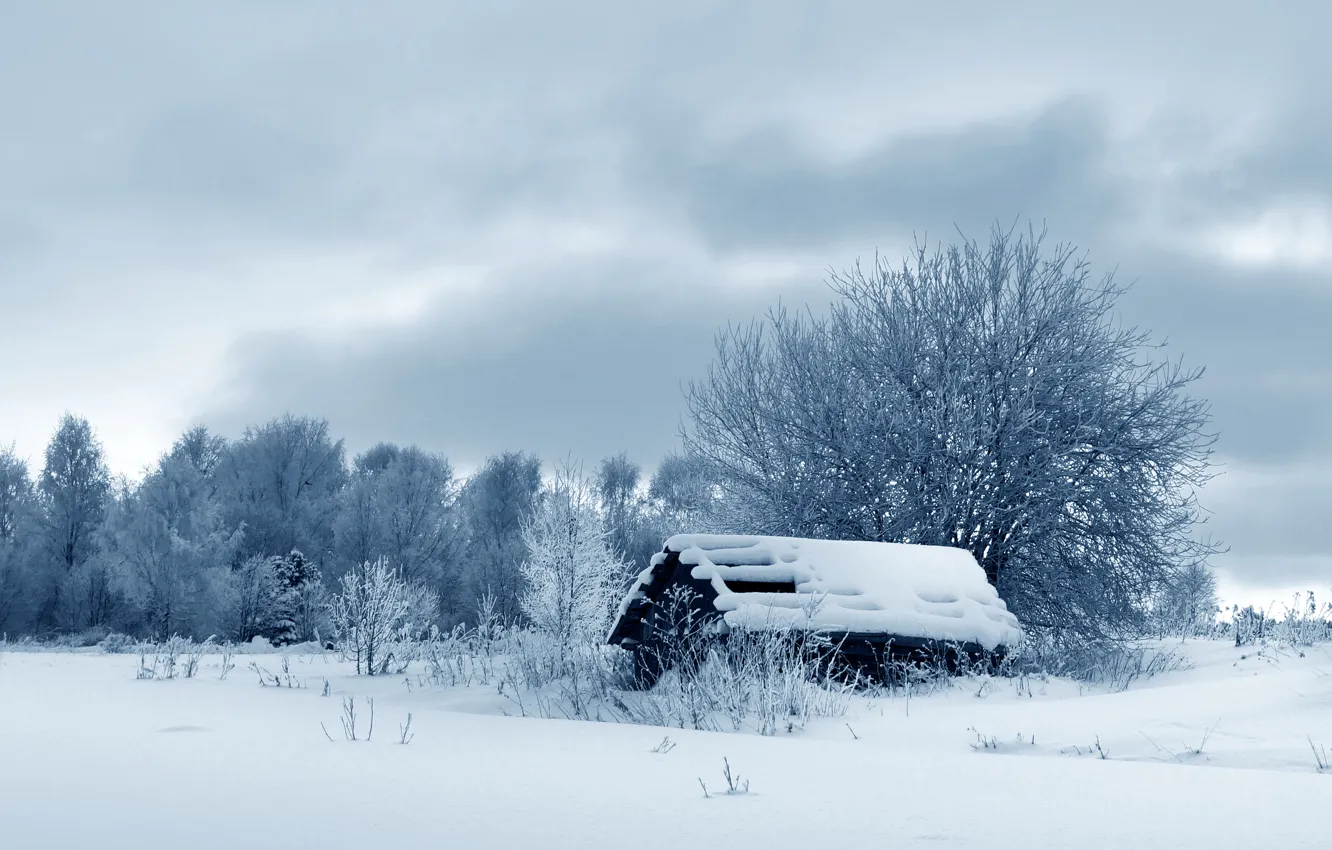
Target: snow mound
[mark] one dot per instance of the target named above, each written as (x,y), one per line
(931,592)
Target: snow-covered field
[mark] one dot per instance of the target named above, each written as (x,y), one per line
(92,757)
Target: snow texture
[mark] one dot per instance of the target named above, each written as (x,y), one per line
(96,759)
(933,592)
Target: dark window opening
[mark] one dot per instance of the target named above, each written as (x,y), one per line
(737,586)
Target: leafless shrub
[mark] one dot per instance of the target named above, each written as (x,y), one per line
(765,680)
(285,679)
(377,616)
(734,784)
(349,718)
(1112,665)
(116,642)
(1207,735)
(148,669)
(1303,623)
(1320,757)
(464,656)
(194,652)
(174,657)
(983,742)
(1095,748)
(265,677)
(228,652)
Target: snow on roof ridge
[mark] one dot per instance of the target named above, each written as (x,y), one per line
(933,592)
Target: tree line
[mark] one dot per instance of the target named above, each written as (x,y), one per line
(987,397)
(245,538)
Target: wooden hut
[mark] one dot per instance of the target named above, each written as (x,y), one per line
(872,602)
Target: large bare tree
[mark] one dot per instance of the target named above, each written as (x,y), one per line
(984,397)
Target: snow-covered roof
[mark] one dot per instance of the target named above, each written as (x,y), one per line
(932,592)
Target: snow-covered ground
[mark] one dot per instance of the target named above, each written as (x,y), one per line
(90,757)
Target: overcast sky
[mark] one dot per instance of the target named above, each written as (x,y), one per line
(482,226)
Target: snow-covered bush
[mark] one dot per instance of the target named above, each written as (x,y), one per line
(1112,665)
(767,681)
(1304,622)
(373,616)
(115,642)
(81,639)
(175,657)
(467,655)
(458,657)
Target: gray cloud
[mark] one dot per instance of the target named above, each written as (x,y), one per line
(483,226)
(766,190)
(1279,508)
(1262,337)
(589,362)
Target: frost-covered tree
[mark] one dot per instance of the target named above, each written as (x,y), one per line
(375,606)
(166,543)
(74,490)
(75,486)
(682,493)
(632,534)
(18,526)
(249,593)
(202,452)
(571,572)
(167,567)
(280,481)
(299,600)
(401,504)
(1188,602)
(280,598)
(980,397)
(617,491)
(496,502)
(307,607)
